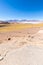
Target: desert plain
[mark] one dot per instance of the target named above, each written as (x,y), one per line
(21,44)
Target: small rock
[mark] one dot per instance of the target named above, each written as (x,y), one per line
(9,38)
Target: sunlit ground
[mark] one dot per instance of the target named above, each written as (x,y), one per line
(12,27)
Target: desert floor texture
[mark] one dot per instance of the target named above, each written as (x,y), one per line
(21,44)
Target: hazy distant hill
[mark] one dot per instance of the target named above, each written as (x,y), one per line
(20,21)
(4,22)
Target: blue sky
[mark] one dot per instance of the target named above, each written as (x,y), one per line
(21,9)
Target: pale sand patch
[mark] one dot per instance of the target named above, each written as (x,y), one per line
(40,31)
(27,55)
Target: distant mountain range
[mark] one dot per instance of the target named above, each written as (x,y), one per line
(23,20)
(19,21)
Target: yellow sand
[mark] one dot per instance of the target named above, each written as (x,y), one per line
(12,27)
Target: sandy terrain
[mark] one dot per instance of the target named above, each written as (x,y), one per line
(22,47)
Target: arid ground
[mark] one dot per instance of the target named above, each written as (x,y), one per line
(21,44)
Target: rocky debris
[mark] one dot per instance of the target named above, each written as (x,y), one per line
(3,56)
